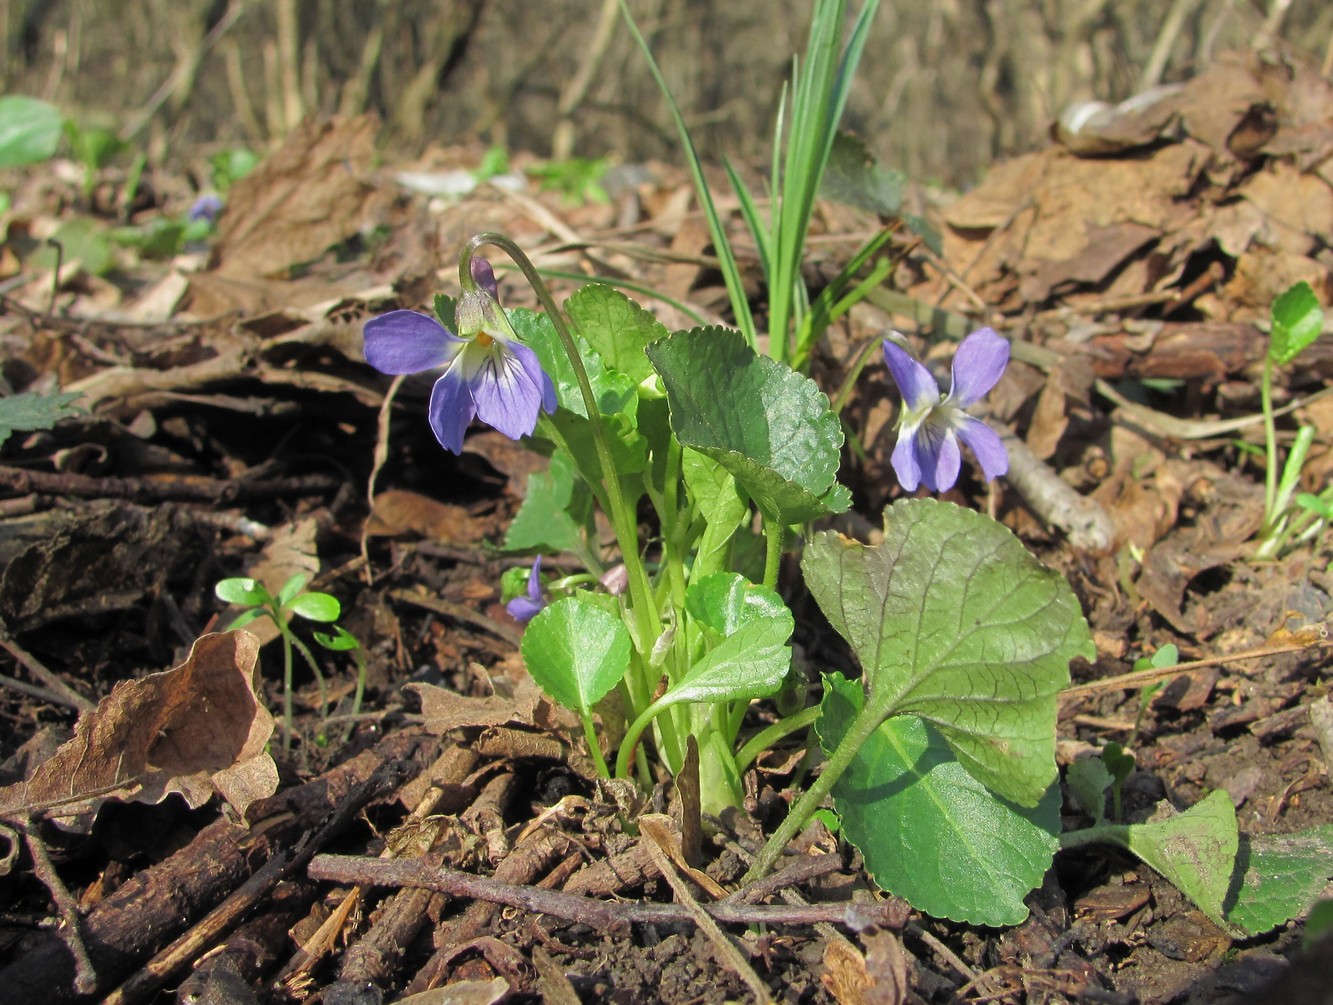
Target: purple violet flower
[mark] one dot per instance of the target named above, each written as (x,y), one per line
(931,425)
(523,609)
(206,207)
(489,374)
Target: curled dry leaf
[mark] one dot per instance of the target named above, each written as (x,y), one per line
(195,729)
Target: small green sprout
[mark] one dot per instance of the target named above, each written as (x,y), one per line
(292,601)
(1297,320)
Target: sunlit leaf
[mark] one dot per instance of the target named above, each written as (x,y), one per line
(953,620)
(768,425)
(1277,877)
(928,830)
(576,651)
(616,327)
(1297,321)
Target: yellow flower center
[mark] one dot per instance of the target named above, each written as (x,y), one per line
(484,340)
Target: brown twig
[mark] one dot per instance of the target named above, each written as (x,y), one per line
(56,689)
(612,917)
(227,914)
(85,976)
(1139,678)
(144,490)
(660,841)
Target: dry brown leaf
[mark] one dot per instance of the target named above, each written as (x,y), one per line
(399,511)
(446,710)
(194,729)
(311,194)
(845,973)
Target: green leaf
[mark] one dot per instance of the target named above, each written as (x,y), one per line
(855,177)
(94,147)
(616,327)
(81,239)
(615,393)
(243,619)
(30,130)
(1277,877)
(338,641)
(713,491)
(242,591)
(928,830)
(766,424)
(32,410)
(1297,321)
(546,520)
(576,652)
(1195,850)
(752,663)
(316,607)
(1088,780)
(1318,923)
(294,585)
(726,602)
(953,620)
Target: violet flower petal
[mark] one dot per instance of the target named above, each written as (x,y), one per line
(984,443)
(939,455)
(502,386)
(451,409)
(905,462)
(408,342)
(526,607)
(977,366)
(915,383)
(484,276)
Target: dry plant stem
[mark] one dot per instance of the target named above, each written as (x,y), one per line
(134,921)
(1081,519)
(450,770)
(184,70)
(60,692)
(562,142)
(85,977)
(531,857)
(613,917)
(380,456)
(226,915)
(1141,677)
(728,954)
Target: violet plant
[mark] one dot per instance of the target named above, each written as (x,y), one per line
(940,761)
(964,639)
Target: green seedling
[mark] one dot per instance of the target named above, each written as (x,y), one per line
(578,179)
(294,601)
(1297,320)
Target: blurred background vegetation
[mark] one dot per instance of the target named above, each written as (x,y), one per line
(945,87)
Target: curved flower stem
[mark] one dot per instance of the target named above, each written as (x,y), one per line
(623,520)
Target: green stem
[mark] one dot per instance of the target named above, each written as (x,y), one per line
(774,536)
(864,725)
(594,748)
(623,519)
(1270,443)
(286,688)
(849,382)
(770,735)
(631,741)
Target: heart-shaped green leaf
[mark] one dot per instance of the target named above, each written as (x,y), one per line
(616,327)
(1297,321)
(928,830)
(553,509)
(768,425)
(953,620)
(576,652)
